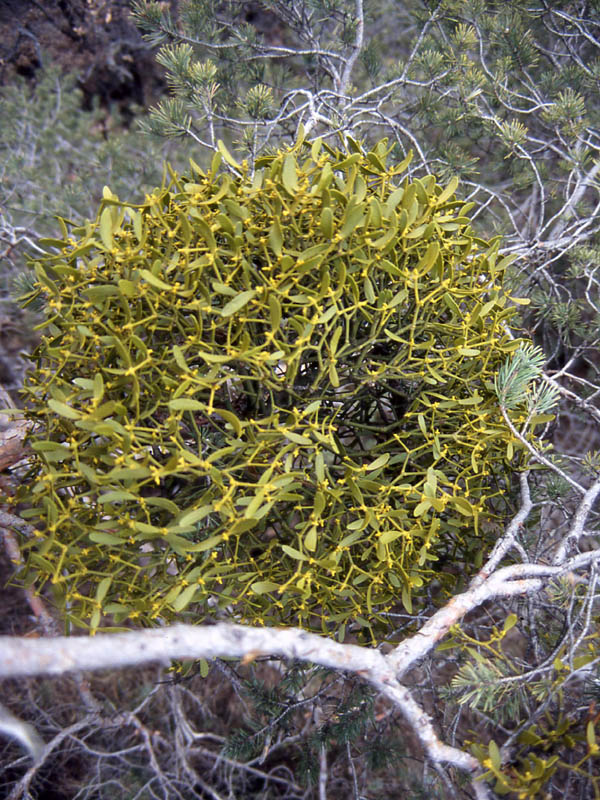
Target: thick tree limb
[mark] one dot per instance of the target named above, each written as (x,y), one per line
(61,654)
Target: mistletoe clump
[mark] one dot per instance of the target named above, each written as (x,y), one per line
(267,394)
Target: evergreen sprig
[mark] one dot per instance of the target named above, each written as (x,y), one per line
(515,379)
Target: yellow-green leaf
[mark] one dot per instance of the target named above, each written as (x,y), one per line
(103,588)
(380,461)
(63,409)
(510,622)
(297,438)
(422,507)
(105,538)
(590,735)
(288,174)
(430,257)
(185,598)
(333,375)
(230,418)
(154,281)
(237,303)
(186,404)
(191,517)
(276,237)
(98,387)
(327,223)
(116,497)
(320,466)
(106,229)
(448,191)
(128,288)
(262,587)
(387,537)
(180,358)
(319,503)
(494,752)
(227,155)
(274,312)
(293,553)
(315,148)
(393,200)
(310,540)
(462,504)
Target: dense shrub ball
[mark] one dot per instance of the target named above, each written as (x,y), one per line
(267,395)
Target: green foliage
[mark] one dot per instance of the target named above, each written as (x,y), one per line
(275,390)
(515,385)
(217,74)
(536,759)
(55,159)
(486,680)
(551,732)
(515,376)
(346,726)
